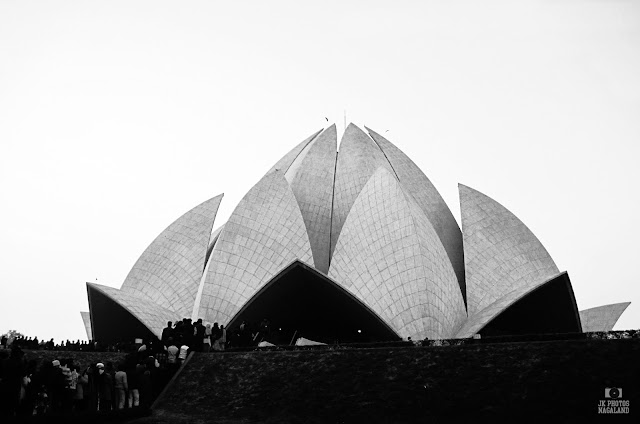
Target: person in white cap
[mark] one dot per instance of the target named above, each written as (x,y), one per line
(104,386)
(55,386)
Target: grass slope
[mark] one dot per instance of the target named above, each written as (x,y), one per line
(82,359)
(561,379)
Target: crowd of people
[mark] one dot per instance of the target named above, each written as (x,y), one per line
(32,343)
(62,386)
(199,337)
(196,335)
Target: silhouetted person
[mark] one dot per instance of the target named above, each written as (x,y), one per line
(140,379)
(12,373)
(206,342)
(104,388)
(134,387)
(177,332)
(172,356)
(265,329)
(81,390)
(215,333)
(146,387)
(187,332)
(221,341)
(69,385)
(121,387)
(166,333)
(28,392)
(244,335)
(199,330)
(56,382)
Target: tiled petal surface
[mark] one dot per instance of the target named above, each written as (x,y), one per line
(311,178)
(390,257)
(149,313)
(369,218)
(602,318)
(212,241)
(416,183)
(215,236)
(285,162)
(476,322)
(169,270)
(501,254)
(358,159)
(86,319)
(264,234)
(480,319)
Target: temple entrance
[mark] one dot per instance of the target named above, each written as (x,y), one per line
(111,323)
(302,302)
(549,309)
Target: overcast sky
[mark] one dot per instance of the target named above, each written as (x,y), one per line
(117,117)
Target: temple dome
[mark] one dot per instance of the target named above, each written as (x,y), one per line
(357,238)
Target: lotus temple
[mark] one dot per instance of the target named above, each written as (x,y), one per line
(347,245)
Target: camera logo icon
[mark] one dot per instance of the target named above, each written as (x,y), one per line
(613,392)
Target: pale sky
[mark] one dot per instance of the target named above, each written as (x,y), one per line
(117,117)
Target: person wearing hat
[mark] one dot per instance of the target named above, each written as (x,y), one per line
(104,388)
(55,383)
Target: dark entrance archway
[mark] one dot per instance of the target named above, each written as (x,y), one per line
(549,309)
(302,302)
(111,323)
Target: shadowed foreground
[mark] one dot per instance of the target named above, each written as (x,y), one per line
(408,384)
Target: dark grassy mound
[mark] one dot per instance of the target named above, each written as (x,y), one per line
(83,359)
(561,380)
